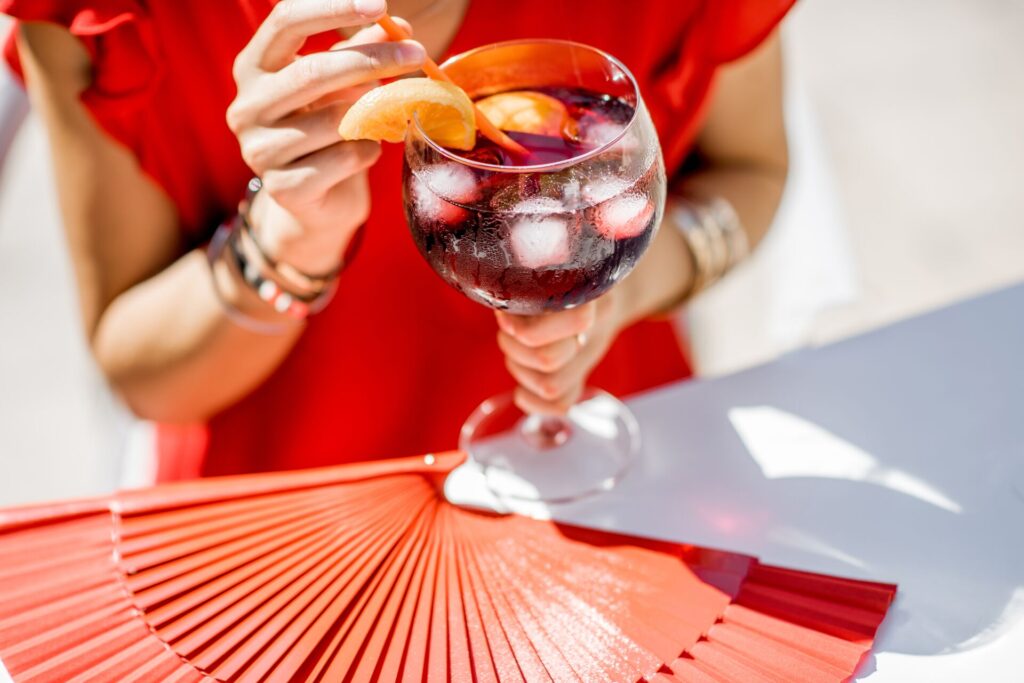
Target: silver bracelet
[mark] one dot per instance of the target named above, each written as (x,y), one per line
(737,242)
(716,239)
(214,252)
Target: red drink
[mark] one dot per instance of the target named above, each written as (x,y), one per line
(529,240)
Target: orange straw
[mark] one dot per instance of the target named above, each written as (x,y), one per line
(490,131)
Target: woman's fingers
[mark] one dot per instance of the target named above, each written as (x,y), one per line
(311,77)
(555,386)
(551,355)
(312,176)
(264,148)
(548,358)
(541,330)
(282,116)
(372,34)
(279,38)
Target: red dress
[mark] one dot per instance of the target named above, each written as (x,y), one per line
(399,359)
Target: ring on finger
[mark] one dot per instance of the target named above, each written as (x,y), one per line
(581,340)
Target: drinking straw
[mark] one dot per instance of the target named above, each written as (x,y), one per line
(430,67)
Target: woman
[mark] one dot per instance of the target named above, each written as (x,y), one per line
(160,112)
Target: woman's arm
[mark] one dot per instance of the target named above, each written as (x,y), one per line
(744,160)
(151,314)
(150,311)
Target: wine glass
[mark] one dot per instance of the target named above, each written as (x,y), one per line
(543,232)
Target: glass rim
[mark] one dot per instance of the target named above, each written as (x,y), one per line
(551,165)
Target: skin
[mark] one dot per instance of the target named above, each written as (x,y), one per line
(149,308)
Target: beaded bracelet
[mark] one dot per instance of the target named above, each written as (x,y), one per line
(214,252)
(291,303)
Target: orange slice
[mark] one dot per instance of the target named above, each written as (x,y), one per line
(526,111)
(444,110)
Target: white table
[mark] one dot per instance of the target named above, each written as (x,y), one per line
(887,456)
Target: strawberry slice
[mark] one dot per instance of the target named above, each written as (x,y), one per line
(624,216)
(438,190)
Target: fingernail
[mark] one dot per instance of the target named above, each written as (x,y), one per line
(369,8)
(410,53)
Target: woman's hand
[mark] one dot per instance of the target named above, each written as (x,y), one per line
(286,116)
(551,355)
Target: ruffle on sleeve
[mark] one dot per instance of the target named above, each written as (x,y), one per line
(122,46)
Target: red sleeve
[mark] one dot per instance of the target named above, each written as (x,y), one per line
(739,26)
(718,31)
(122,47)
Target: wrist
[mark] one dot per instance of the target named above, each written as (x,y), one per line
(286,241)
(239,301)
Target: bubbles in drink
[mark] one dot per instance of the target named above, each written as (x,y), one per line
(539,206)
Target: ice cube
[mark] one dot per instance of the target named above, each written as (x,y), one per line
(602,189)
(540,240)
(431,209)
(451,181)
(624,216)
(435,188)
(597,133)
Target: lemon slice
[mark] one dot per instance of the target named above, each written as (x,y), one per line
(526,111)
(444,110)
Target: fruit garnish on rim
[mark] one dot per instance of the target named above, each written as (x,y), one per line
(444,111)
(528,111)
(446,115)
(431,69)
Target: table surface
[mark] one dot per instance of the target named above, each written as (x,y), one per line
(896,456)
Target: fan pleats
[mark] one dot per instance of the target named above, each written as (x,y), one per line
(364,572)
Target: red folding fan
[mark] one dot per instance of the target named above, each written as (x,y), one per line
(364,572)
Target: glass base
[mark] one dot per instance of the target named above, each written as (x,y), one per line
(552,459)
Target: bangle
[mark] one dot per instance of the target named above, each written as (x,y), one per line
(716,239)
(699,244)
(214,252)
(736,240)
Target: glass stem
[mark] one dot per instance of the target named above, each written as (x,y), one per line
(543,432)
